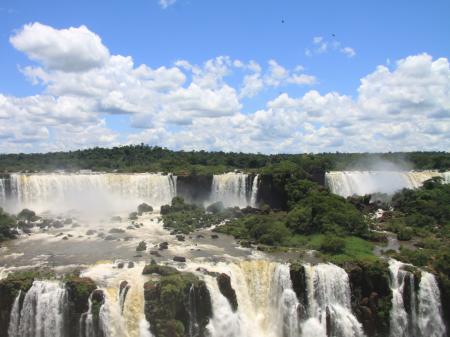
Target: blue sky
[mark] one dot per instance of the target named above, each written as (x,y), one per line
(312,69)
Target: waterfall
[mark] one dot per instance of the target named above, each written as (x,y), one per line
(399,317)
(120,315)
(2,191)
(285,302)
(95,191)
(14,319)
(348,183)
(231,189)
(86,324)
(43,311)
(430,319)
(254,195)
(329,308)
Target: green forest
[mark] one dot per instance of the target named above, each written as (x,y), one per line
(143,158)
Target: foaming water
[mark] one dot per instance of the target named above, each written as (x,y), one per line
(328,292)
(121,316)
(234,189)
(348,183)
(43,311)
(430,319)
(91,192)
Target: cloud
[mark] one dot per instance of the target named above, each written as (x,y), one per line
(322,46)
(274,76)
(166,3)
(68,50)
(402,106)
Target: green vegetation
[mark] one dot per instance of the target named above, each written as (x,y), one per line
(143,158)
(7,222)
(167,301)
(185,218)
(316,219)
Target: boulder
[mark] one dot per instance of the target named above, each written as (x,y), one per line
(224,283)
(170,301)
(144,208)
(179,259)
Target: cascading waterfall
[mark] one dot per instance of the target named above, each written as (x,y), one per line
(348,183)
(400,324)
(86,324)
(43,311)
(230,188)
(120,315)
(91,190)
(285,302)
(2,191)
(430,321)
(14,319)
(422,317)
(329,308)
(254,195)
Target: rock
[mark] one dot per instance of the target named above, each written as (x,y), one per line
(131,227)
(70,235)
(91,232)
(130,264)
(144,208)
(155,253)
(128,238)
(120,265)
(180,237)
(214,236)
(154,268)
(199,236)
(133,216)
(371,295)
(110,238)
(142,246)
(163,245)
(169,301)
(224,283)
(101,235)
(179,259)
(65,238)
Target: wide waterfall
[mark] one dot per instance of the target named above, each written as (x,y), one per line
(348,183)
(90,191)
(43,311)
(234,189)
(421,316)
(329,307)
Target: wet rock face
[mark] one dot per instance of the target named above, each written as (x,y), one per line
(78,291)
(9,289)
(298,278)
(176,304)
(224,283)
(371,296)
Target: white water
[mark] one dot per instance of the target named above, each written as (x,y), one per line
(399,317)
(254,195)
(42,313)
(120,317)
(425,318)
(348,183)
(230,188)
(430,319)
(329,290)
(14,319)
(92,192)
(2,191)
